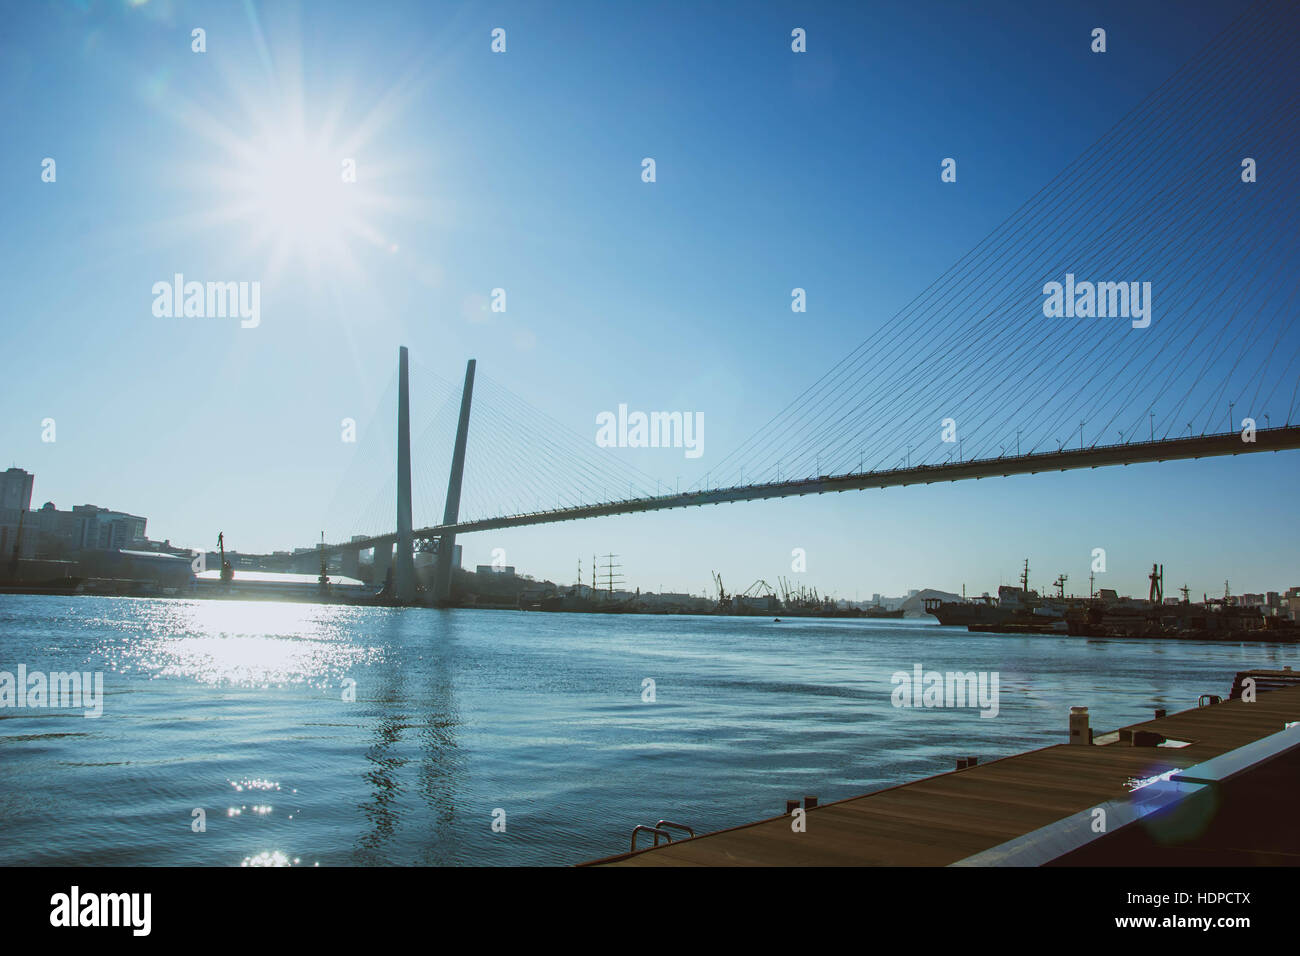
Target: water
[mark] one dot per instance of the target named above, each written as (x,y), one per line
(237,708)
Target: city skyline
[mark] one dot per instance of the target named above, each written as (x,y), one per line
(1131,580)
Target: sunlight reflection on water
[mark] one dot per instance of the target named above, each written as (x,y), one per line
(242,643)
(234,709)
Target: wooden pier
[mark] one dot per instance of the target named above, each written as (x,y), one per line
(970,816)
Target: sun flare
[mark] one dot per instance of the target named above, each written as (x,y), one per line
(299,199)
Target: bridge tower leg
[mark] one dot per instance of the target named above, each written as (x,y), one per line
(383,562)
(451,513)
(404,559)
(351,562)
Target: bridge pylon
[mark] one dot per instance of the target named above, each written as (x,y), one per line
(404,557)
(451,512)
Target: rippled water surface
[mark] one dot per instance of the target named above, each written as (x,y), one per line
(238,709)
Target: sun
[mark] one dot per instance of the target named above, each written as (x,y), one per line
(297,179)
(301,198)
(291,197)
(293,188)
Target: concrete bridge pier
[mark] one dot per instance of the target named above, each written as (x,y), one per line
(351,562)
(383,561)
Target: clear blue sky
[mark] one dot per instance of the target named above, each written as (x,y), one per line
(522,171)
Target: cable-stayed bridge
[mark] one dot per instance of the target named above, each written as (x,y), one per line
(1139,307)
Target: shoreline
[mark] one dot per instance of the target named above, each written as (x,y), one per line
(1267,636)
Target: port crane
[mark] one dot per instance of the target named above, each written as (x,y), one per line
(724,599)
(1156,595)
(324,578)
(227,572)
(802,597)
(759,594)
(759,589)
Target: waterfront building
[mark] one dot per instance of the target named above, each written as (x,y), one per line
(274,585)
(87,527)
(125,565)
(16,490)
(15,502)
(49,534)
(1291,603)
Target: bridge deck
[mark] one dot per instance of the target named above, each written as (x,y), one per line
(946,818)
(1281,438)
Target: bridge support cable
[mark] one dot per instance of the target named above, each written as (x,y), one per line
(1158,198)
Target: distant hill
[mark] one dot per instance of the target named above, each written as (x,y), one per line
(915,605)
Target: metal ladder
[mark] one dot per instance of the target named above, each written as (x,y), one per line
(660,830)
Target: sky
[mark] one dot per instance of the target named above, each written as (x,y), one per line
(522,170)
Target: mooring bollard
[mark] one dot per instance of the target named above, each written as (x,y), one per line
(791,806)
(1160,712)
(1079,733)
(972,761)
(961,763)
(809,803)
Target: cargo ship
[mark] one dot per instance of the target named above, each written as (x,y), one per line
(1213,619)
(877,611)
(1012,605)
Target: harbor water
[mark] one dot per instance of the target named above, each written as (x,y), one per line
(246,733)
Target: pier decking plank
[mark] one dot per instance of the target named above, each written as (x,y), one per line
(939,820)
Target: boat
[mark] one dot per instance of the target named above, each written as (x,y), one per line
(978,611)
(877,611)
(56,586)
(1014,605)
